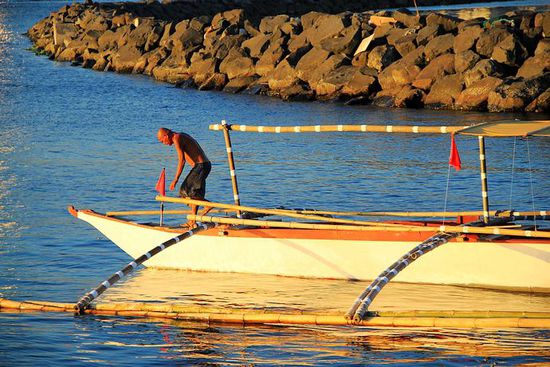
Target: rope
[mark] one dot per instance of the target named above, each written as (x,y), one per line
(360,307)
(85,301)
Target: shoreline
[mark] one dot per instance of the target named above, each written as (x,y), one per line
(385,58)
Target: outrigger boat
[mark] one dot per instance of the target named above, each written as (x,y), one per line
(478,249)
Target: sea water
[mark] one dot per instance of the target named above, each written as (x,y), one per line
(72,136)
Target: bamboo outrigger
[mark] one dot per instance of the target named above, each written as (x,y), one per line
(481,248)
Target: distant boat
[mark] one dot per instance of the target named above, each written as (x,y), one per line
(487,249)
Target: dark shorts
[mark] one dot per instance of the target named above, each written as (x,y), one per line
(194,185)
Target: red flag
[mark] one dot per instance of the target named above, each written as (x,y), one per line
(454,157)
(161,185)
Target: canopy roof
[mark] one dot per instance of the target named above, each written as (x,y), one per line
(509,128)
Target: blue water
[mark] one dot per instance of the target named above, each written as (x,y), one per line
(74,136)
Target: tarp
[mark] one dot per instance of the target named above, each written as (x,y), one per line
(509,128)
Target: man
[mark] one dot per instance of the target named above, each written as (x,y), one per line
(194,185)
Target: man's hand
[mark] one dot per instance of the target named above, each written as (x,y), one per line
(173,185)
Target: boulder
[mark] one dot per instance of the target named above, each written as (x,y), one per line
(63,32)
(475,96)
(514,94)
(481,70)
(235,16)
(395,34)
(409,97)
(236,64)
(406,44)
(256,45)
(270,23)
(403,71)
(334,80)
(239,84)
(360,85)
(541,103)
(326,26)
(510,52)
(283,76)
(310,61)
(202,69)
(489,39)
(439,45)
(139,35)
(344,42)
(313,76)
(382,56)
(270,58)
(125,59)
(535,65)
(409,19)
(297,91)
(444,92)
(465,60)
(437,68)
(215,81)
(448,23)
(427,34)
(466,40)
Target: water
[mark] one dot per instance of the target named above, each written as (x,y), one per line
(74,136)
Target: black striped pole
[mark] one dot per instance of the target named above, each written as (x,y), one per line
(84,302)
(362,303)
(231,162)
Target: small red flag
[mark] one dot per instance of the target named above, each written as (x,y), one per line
(454,157)
(161,185)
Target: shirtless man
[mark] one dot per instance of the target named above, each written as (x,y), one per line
(194,185)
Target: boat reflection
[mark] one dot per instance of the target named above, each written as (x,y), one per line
(274,293)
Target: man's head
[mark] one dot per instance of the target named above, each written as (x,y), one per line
(164,135)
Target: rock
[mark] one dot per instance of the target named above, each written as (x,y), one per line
(482,69)
(345,42)
(447,22)
(395,34)
(474,22)
(489,39)
(326,26)
(256,45)
(215,81)
(334,80)
(282,77)
(403,71)
(465,60)
(67,54)
(543,47)
(125,59)
(235,16)
(360,85)
(237,65)
(270,58)
(516,93)
(63,32)
(444,92)
(298,91)
(408,19)
(406,44)
(510,52)
(270,23)
(427,34)
(409,97)
(546,24)
(321,70)
(437,68)
(438,46)
(360,59)
(475,96)
(202,69)
(382,56)
(239,84)
(295,56)
(535,65)
(139,35)
(541,103)
(310,61)
(466,39)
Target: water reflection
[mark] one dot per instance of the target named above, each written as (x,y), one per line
(276,293)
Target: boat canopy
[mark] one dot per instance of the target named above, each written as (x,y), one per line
(509,128)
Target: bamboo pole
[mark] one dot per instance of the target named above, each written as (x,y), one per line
(397,228)
(341,128)
(461,319)
(155,212)
(231,163)
(359,225)
(483,172)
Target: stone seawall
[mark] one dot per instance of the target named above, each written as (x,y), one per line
(388,58)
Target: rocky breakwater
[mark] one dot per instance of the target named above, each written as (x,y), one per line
(392,59)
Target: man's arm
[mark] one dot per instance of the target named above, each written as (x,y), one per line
(181,163)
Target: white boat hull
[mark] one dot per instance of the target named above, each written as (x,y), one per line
(517,265)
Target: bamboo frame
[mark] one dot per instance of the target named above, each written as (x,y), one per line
(341,128)
(483,173)
(397,228)
(461,319)
(155,212)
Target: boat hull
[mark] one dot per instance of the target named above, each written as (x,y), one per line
(516,265)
